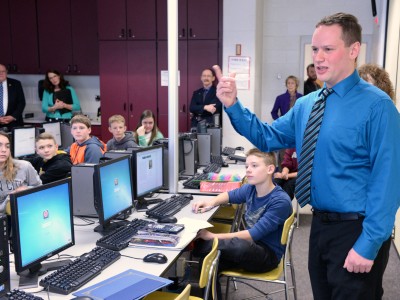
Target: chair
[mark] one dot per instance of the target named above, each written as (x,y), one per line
(207,278)
(230,214)
(273,276)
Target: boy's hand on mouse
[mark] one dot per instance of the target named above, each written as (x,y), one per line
(196,207)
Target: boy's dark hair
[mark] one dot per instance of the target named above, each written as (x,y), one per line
(269,157)
(351,29)
(81,119)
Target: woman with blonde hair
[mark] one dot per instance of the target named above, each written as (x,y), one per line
(15,175)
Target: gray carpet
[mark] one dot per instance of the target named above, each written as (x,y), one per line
(300,256)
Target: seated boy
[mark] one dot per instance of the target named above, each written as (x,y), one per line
(258,247)
(86,149)
(121,140)
(51,164)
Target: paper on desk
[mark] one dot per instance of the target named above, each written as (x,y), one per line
(193,225)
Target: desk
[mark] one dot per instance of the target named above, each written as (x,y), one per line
(85,240)
(238,168)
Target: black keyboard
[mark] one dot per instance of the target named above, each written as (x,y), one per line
(71,277)
(212,168)
(20,295)
(194,181)
(169,207)
(119,239)
(228,151)
(217,159)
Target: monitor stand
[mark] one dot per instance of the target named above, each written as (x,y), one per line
(110,227)
(29,278)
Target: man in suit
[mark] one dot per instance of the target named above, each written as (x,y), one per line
(12,100)
(204,102)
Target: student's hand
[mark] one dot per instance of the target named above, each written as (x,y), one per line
(199,205)
(141,131)
(226,88)
(210,108)
(205,235)
(355,263)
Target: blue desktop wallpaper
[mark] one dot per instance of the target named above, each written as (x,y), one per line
(116,188)
(44,222)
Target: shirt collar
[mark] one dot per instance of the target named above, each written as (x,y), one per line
(344,86)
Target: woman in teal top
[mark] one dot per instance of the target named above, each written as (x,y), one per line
(59,98)
(147,131)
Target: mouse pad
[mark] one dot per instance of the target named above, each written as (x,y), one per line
(127,285)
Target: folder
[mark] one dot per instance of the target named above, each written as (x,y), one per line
(128,285)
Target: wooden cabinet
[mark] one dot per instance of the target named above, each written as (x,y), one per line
(127,19)
(197,19)
(68,36)
(128,81)
(194,57)
(18,39)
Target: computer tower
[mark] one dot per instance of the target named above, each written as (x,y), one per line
(216,140)
(83,190)
(204,146)
(66,136)
(4,257)
(191,157)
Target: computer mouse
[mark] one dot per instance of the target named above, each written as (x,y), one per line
(188,196)
(167,220)
(82,298)
(155,258)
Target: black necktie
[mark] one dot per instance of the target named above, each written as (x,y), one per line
(303,182)
(1,100)
(204,95)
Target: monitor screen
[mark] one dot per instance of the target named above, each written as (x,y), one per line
(147,170)
(23,141)
(113,193)
(42,225)
(55,129)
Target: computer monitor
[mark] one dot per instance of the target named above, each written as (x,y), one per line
(55,129)
(113,193)
(147,171)
(23,141)
(42,226)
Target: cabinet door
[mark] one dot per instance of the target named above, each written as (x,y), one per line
(203,19)
(162,56)
(112,19)
(162,22)
(24,37)
(141,19)
(85,48)
(5,36)
(142,80)
(201,55)
(55,40)
(113,82)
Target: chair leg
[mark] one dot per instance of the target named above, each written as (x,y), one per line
(293,279)
(227,287)
(297,215)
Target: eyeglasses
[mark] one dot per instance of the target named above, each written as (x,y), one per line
(3,72)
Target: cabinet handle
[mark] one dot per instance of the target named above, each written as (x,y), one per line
(191,33)
(76,68)
(183,33)
(122,34)
(184,108)
(15,68)
(131,107)
(124,106)
(9,67)
(130,35)
(68,69)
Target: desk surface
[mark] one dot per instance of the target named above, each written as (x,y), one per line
(85,240)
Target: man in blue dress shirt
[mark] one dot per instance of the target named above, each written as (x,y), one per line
(354,191)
